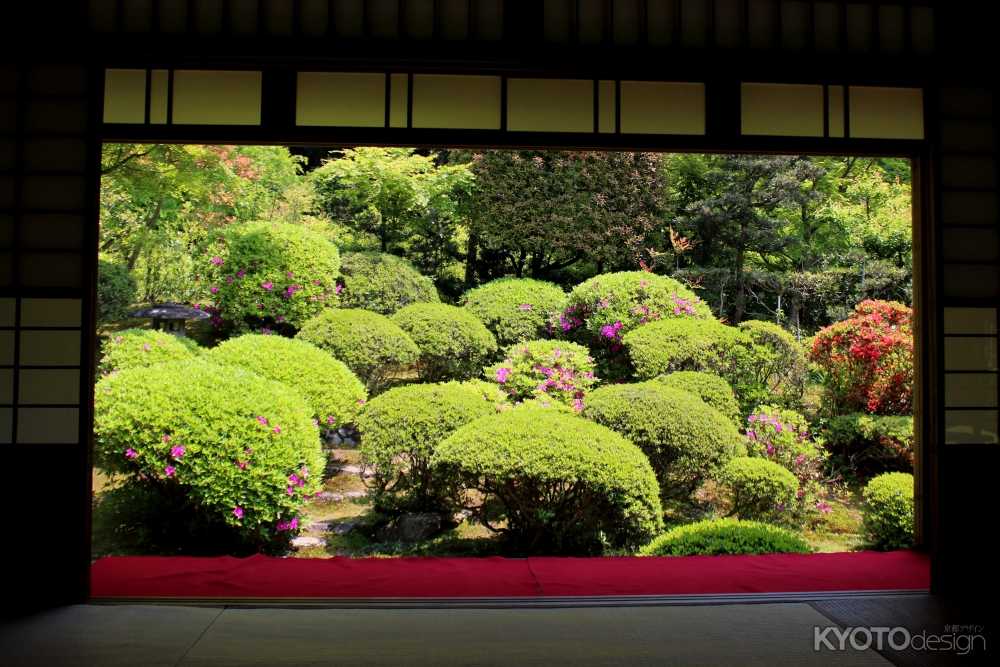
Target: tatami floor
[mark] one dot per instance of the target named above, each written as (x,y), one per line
(766,634)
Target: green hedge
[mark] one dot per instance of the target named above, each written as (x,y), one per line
(238,448)
(133,348)
(758,489)
(400,430)
(686,440)
(515,309)
(116,291)
(715,537)
(782,367)
(545,369)
(371,345)
(332,391)
(270,275)
(453,343)
(551,482)
(382,283)
(888,511)
(708,387)
(870,444)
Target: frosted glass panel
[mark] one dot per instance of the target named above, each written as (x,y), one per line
(50,312)
(216,98)
(886,113)
(124,96)
(663,108)
(787,110)
(460,102)
(340,99)
(50,348)
(56,386)
(550,105)
(48,425)
(970,354)
(970,320)
(970,427)
(970,390)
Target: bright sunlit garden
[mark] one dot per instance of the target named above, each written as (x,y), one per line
(381,352)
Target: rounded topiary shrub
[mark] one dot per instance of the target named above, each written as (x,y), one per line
(382,283)
(686,440)
(888,511)
(400,430)
(453,343)
(223,442)
(704,345)
(781,361)
(557,370)
(601,311)
(758,488)
(371,345)
(515,309)
(708,387)
(132,348)
(270,275)
(715,537)
(333,392)
(116,291)
(548,481)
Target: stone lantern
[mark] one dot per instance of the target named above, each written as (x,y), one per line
(170,317)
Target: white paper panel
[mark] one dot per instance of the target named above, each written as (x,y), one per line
(778,109)
(970,427)
(49,386)
(886,113)
(50,348)
(663,108)
(970,390)
(550,105)
(6,422)
(7,312)
(124,96)
(6,386)
(6,348)
(50,312)
(970,320)
(970,354)
(216,98)
(340,99)
(459,102)
(36,426)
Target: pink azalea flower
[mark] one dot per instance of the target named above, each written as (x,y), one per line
(165,438)
(146,347)
(238,512)
(242,465)
(217,260)
(338,289)
(177,452)
(330,419)
(169,471)
(294,479)
(268,285)
(277,430)
(578,404)
(290,490)
(262,420)
(213,289)
(525,306)
(131,453)
(502,374)
(240,273)
(290,275)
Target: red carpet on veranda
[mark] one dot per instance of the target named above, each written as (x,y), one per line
(266,577)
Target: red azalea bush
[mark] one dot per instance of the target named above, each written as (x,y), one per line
(868,360)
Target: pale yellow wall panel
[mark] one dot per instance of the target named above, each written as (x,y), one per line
(216,97)
(886,113)
(37,426)
(970,320)
(50,312)
(778,109)
(340,99)
(49,386)
(970,427)
(652,107)
(550,105)
(124,96)
(50,348)
(970,390)
(456,102)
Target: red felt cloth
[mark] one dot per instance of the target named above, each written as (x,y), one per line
(265,577)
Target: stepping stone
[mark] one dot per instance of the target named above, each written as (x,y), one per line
(344,527)
(355,494)
(304,541)
(319,526)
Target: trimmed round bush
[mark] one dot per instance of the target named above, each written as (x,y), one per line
(888,511)
(453,343)
(134,348)
(382,283)
(116,291)
(237,448)
(599,312)
(782,364)
(705,345)
(548,481)
(557,370)
(714,537)
(515,309)
(708,387)
(332,391)
(686,440)
(371,345)
(758,488)
(270,275)
(400,430)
